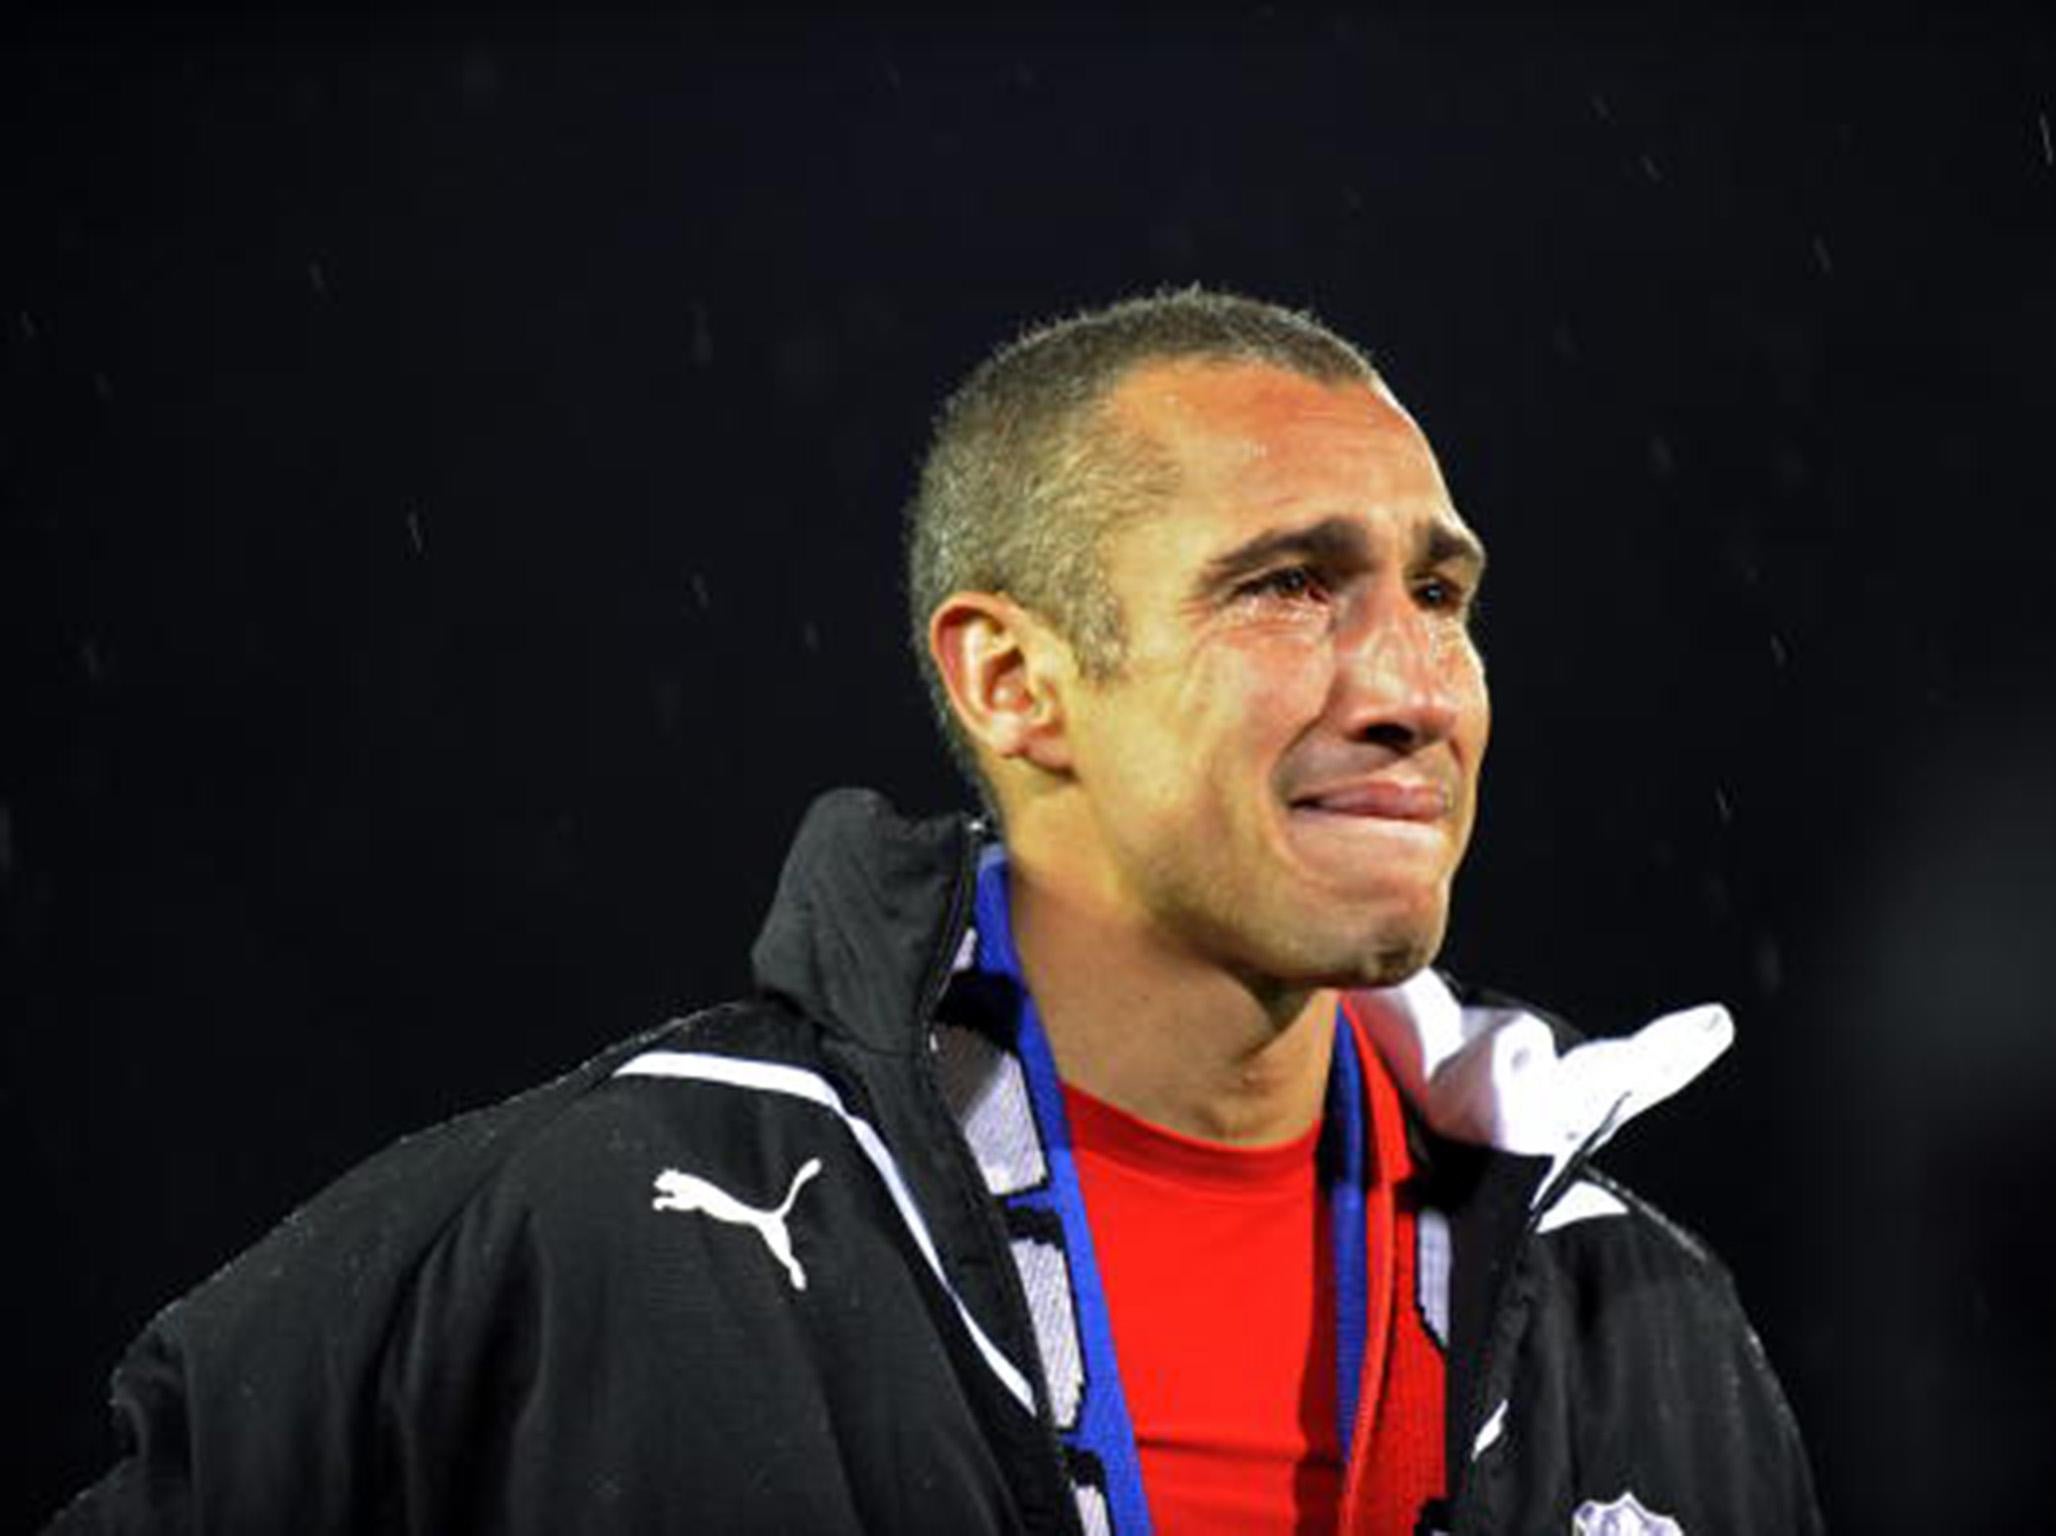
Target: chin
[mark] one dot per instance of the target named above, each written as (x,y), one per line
(1398,932)
(1392,965)
(1380,955)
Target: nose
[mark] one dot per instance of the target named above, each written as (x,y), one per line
(1401,671)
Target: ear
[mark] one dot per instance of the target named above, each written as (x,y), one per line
(1005,671)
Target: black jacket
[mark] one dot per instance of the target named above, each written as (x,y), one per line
(531,1319)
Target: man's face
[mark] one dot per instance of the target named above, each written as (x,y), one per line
(1283,775)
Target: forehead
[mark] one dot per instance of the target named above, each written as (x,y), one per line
(1258,441)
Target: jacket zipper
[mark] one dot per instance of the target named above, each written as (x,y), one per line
(1460,1493)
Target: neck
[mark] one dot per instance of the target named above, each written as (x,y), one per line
(1136,1022)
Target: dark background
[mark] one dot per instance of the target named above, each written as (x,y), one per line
(450,476)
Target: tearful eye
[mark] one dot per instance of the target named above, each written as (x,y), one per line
(1442,595)
(1291,582)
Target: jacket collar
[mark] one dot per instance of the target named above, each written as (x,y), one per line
(871,912)
(1498,1074)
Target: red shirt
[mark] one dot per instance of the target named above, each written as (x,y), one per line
(1219,1278)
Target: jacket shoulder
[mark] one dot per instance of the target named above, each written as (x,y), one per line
(275,1365)
(1639,1374)
(365,1231)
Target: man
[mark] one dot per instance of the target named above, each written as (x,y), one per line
(1125,1169)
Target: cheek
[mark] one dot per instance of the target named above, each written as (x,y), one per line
(1250,704)
(1276,671)
(1141,756)
(1461,667)
(1475,698)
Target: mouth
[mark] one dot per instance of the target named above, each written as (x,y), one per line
(1378,799)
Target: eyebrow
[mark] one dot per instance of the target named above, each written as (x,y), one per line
(1447,545)
(1333,541)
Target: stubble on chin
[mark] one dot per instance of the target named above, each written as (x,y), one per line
(1284,956)
(1380,950)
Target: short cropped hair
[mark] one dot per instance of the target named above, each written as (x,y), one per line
(1026,474)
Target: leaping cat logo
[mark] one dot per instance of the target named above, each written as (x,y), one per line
(687,1192)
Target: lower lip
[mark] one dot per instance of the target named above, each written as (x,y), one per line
(1384,829)
(1358,846)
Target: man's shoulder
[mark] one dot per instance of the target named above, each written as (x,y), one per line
(1602,1230)
(1625,1308)
(724,1094)
(1616,1281)
(361,1239)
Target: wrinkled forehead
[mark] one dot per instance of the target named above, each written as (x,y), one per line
(1261,429)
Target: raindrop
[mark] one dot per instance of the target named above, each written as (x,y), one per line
(478,78)
(699,592)
(1790,467)
(1778,654)
(2048,149)
(667,695)
(1768,961)
(28,326)
(1650,169)
(414,531)
(1720,804)
(103,387)
(1600,108)
(317,279)
(702,337)
(1713,890)
(1821,256)
(810,637)
(89,658)
(1662,461)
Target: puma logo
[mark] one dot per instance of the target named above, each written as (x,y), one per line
(687,1192)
